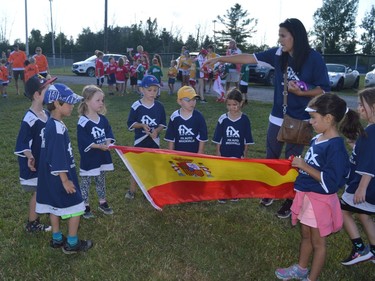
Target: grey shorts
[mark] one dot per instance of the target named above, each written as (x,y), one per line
(233,77)
(28,188)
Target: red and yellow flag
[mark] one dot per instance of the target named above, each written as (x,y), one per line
(172,177)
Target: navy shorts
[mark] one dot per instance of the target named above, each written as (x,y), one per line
(171,80)
(111,79)
(19,73)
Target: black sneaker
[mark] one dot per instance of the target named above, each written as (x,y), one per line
(284,212)
(57,244)
(36,226)
(105,208)
(266,202)
(81,246)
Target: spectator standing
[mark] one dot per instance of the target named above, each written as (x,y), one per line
(31,68)
(41,62)
(299,62)
(172,75)
(234,69)
(99,69)
(210,55)
(16,63)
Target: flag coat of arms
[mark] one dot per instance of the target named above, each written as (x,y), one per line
(173,177)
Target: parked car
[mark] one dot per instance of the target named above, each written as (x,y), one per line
(87,67)
(342,76)
(370,78)
(262,73)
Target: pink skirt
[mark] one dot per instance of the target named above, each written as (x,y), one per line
(307,216)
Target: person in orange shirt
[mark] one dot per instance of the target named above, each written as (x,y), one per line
(5,78)
(16,60)
(41,62)
(31,68)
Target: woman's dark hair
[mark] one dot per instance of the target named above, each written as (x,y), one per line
(301,46)
(348,120)
(368,96)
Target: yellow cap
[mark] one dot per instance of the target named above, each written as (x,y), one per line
(186,92)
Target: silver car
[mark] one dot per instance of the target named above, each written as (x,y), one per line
(370,78)
(342,76)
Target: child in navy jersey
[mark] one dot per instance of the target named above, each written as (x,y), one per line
(233,131)
(187,129)
(147,119)
(58,189)
(322,173)
(359,195)
(29,143)
(94,135)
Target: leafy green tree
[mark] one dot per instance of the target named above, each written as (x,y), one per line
(368,37)
(238,26)
(335,25)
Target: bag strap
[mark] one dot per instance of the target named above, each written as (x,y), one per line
(285,92)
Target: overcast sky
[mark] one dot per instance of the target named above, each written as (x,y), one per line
(178,17)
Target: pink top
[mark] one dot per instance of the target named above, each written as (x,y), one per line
(327,211)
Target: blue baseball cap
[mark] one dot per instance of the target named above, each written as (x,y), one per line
(149,80)
(61,92)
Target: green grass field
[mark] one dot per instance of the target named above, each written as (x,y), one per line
(205,241)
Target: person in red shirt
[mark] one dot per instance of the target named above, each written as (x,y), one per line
(41,62)
(111,78)
(99,69)
(31,68)
(121,73)
(16,60)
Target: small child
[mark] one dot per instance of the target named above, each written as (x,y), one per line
(5,77)
(244,80)
(58,189)
(28,146)
(133,76)
(94,135)
(31,68)
(141,70)
(121,72)
(321,174)
(187,129)
(147,119)
(111,75)
(172,75)
(233,130)
(359,196)
(156,70)
(99,68)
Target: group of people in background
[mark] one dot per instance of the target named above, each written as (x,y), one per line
(16,65)
(322,171)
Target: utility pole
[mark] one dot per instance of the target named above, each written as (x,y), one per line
(26,31)
(52,34)
(105,26)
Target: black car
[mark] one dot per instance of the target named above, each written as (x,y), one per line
(262,73)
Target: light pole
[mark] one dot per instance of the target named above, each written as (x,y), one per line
(26,30)
(52,33)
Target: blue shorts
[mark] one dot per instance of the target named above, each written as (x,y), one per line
(171,80)
(111,79)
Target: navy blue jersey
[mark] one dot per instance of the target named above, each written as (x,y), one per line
(29,139)
(363,163)
(93,161)
(57,156)
(186,133)
(313,72)
(331,159)
(233,135)
(153,116)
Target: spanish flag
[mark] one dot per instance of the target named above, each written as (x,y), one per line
(169,177)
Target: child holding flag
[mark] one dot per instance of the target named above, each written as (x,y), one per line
(322,173)
(94,135)
(187,129)
(233,130)
(147,119)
